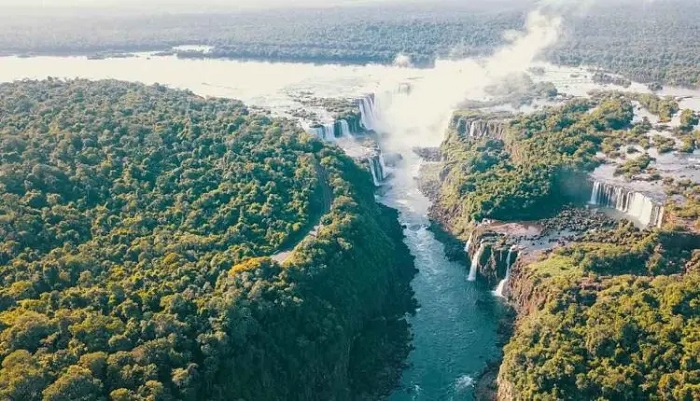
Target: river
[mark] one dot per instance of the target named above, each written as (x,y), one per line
(455,327)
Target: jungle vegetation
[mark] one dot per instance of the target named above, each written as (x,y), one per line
(619,321)
(136,229)
(614,315)
(534,170)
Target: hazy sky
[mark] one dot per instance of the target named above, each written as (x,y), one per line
(228,4)
(179,3)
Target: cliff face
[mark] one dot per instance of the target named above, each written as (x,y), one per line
(477,127)
(492,251)
(524,291)
(354,121)
(527,294)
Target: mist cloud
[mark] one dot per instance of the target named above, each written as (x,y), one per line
(420,119)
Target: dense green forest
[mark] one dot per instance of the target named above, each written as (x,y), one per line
(644,41)
(618,322)
(614,315)
(533,170)
(136,225)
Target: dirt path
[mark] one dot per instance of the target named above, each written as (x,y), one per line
(315,220)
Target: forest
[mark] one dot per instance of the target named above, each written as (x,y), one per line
(619,322)
(533,170)
(651,43)
(136,229)
(610,316)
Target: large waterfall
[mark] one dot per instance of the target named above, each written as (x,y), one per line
(475,263)
(325,131)
(344,128)
(368,111)
(493,127)
(502,283)
(473,129)
(634,204)
(331,131)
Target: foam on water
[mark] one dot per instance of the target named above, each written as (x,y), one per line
(464,382)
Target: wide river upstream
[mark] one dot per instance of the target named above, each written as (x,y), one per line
(455,327)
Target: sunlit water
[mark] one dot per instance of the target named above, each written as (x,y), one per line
(455,327)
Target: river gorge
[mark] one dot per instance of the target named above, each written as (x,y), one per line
(456,326)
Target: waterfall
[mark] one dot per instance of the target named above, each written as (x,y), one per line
(367,111)
(469,243)
(317,131)
(472,129)
(344,129)
(502,283)
(377,169)
(475,263)
(329,131)
(382,163)
(634,204)
(493,128)
(595,194)
(324,132)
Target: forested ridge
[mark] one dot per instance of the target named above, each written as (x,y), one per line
(610,316)
(136,224)
(532,170)
(618,321)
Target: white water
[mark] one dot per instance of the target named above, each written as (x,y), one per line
(469,243)
(345,129)
(472,129)
(375,168)
(502,284)
(473,270)
(464,382)
(635,205)
(329,131)
(368,112)
(455,329)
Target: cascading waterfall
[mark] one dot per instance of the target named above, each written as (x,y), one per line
(634,204)
(382,163)
(502,284)
(595,193)
(469,243)
(475,263)
(329,131)
(324,132)
(318,131)
(493,128)
(367,111)
(345,129)
(472,129)
(377,169)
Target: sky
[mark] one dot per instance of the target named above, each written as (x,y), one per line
(178,3)
(224,4)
